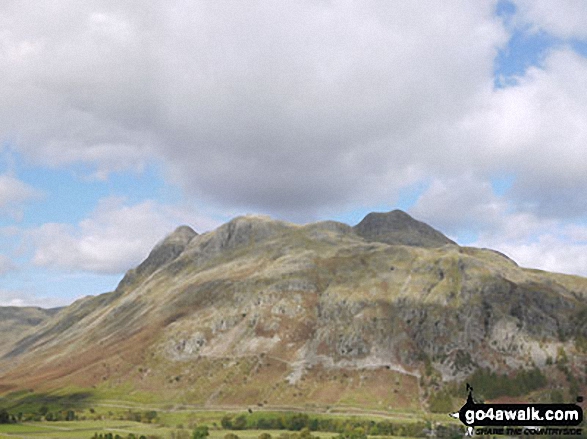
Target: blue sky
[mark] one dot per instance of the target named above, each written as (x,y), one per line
(121,122)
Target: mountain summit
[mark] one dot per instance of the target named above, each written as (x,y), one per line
(266,312)
(164,251)
(399,228)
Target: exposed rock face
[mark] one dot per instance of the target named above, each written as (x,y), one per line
(397,227)
(259,304)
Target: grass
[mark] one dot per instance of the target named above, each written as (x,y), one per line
(86,429)
(81,429)
(177,418)
(30,402)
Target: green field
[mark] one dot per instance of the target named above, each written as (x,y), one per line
(86,429)
(169,423)
(79,413)
(78,429)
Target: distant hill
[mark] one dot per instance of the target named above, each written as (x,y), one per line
(16,321)
(381,315)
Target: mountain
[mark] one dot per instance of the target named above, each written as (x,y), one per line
(15,321)
(380,315)
(399,228)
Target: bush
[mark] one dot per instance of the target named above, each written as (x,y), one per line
(441,402)
(490,385)
(296,422)
(226,422)
(5,417)
(200,432)
(150,416)
(240,423)
(355,433)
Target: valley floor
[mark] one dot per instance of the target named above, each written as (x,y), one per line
(87,429)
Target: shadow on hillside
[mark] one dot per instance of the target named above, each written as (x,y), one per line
(32,402)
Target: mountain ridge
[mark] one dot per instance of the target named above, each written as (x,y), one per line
(263,310)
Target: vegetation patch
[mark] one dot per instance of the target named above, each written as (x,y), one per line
(490,385)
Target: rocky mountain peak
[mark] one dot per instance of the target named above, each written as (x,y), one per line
(181,235)
(242,230)
(165,251)
(399,228)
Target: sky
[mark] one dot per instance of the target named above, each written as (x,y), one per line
(120,121)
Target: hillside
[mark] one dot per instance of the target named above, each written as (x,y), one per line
(16,321)
(264,312)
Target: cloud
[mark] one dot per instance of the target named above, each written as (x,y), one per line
(458,204)
(463,205)
(113,239)
(551,246)
(287,109)
(296,110)
(21,298)
(537,131)
(564,18)
(466,204)
(6,265)
(13,193)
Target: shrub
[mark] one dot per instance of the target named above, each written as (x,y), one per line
(240,423)
(226,422)
(441,402)
(355,433)
(200,432)
(5,417)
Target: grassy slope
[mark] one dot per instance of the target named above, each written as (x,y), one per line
(15,322)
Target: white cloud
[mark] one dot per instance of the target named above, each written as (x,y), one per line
(115,237)
(6,265)
(13,193)
(287,109)
(21,298)
(295,109)
(460,203)
(563,18)
(551,251)
(467,204)
(537,131)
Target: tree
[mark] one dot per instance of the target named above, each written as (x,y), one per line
(226,422)
(355,433)
(150,416)
(240,423)
(4,417)
(296,421)
(200,432)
